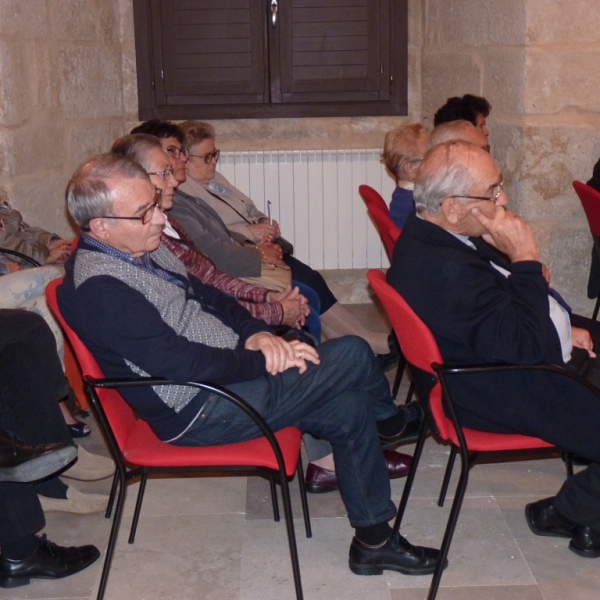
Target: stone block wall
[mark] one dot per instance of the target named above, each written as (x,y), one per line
(66,87)
(536,66)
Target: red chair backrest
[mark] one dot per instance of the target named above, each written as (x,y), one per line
(417,343)
(372,198)
(118,412)
(380,214)
(590,199)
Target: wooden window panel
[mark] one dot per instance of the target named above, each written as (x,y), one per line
(324,58)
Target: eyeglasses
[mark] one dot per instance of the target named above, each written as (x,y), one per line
(178,153)
(147,215)
(495,194)
(208,157)
(168,172)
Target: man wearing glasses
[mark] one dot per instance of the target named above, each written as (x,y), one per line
(132,303)
(484,309)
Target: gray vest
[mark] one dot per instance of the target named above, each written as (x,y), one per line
(185,316)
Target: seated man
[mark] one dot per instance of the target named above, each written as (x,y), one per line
(134,306)
(482,309)
(30,378)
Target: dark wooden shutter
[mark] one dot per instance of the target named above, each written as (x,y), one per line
(210,51)
(332,51)
(222,59)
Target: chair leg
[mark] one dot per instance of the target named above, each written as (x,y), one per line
(114,531)
(451,526)
(274,500)
(289,524)
(595,313)
(411,477)
(411,391)
(447,475)
(111,498)
(568,463)
(138,506)
(303,498)
(398,379)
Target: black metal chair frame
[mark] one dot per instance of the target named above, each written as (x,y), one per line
(425,382)
(20,255)
(124,474)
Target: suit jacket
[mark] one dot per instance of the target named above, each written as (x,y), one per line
(478,316)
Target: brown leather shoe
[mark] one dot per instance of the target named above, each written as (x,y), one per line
(320,481)
(22,462)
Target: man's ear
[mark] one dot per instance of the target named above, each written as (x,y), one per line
(450,209)
(98,227)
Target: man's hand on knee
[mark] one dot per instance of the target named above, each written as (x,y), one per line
(581,338)
(281,355)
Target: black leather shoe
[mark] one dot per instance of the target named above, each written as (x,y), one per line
(49,561)
(320,481)
(543,519)
(410,432)
(390,360)
(397,554)
(23,462)
(585,542)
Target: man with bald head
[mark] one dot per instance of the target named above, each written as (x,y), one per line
(484,309)
(457,130)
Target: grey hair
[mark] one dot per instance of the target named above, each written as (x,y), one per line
(401,146)
(452,130)
(443,174)
(135,146)
(195,132)
(88,195)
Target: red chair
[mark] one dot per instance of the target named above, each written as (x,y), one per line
(138,452)
(379,212)
(430,377)
(590,200)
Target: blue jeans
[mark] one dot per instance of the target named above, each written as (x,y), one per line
(339,400)
(313,321)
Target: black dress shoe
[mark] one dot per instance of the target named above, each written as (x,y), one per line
(410,432)
(585,542)
(397,554)
(320,481)
(23,462)
(390,360)
(543,519)
(49,561)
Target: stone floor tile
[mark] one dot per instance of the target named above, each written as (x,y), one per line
(182,557)
(509,592)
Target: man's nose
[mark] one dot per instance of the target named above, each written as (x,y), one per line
(502,199)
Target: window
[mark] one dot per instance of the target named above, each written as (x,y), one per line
(271,58)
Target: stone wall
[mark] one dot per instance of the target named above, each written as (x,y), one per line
(66,84)
(68,89)
(536,67)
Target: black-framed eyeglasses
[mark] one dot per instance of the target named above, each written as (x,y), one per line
(147,215)
(177,153)
(164,174)
(208,157)
(496,191)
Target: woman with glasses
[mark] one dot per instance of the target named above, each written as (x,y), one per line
(226,225)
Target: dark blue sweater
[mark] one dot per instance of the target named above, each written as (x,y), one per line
(116,322)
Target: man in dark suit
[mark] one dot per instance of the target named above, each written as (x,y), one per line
(483,309)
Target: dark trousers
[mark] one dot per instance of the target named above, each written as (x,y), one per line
(31,384)
(340,400)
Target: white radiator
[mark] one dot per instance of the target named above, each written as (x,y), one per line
(315,200)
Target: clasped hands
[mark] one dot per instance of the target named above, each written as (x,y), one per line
(295,306)
(281,355)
